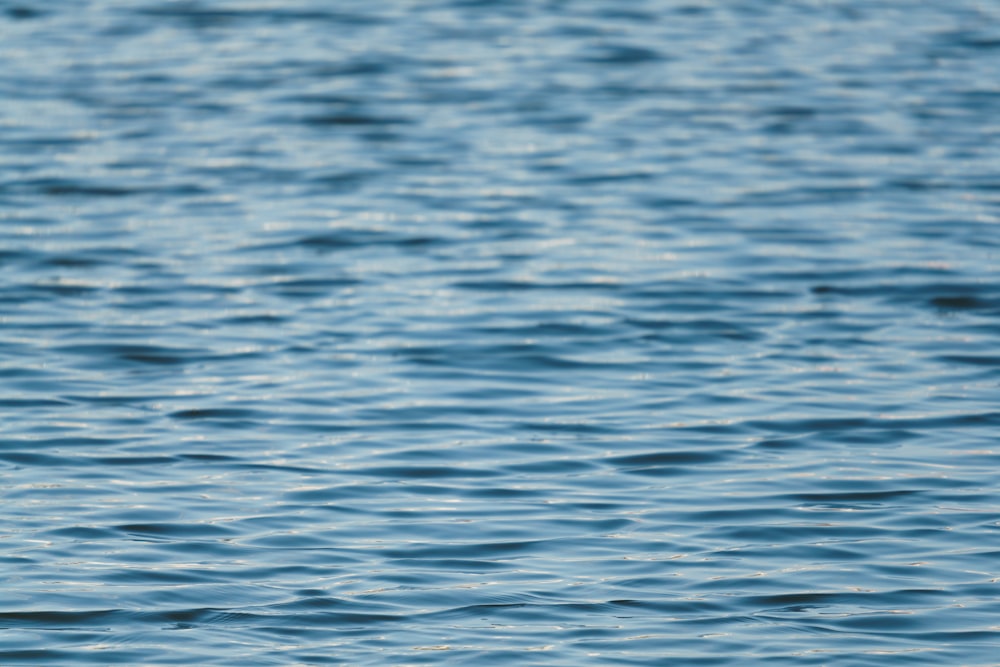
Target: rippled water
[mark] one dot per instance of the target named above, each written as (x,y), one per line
(575,332)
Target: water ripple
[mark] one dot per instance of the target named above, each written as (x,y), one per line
(466,332)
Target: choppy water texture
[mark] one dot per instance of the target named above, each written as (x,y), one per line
(569,332)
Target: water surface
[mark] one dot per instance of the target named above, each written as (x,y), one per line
(458,332)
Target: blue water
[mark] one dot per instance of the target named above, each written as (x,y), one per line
(459,332)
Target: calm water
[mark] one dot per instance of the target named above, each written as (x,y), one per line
(568,332)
